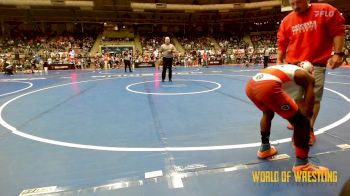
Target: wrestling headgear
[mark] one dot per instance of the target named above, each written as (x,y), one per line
(307,66)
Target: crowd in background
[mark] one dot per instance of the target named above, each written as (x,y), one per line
(33,51)
(29,51)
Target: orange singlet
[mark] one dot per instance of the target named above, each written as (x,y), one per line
(266,90)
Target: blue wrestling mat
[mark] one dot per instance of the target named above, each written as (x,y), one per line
(106,132)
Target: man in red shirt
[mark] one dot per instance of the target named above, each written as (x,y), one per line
(310,32)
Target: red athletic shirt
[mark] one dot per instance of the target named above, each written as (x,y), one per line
(309,36)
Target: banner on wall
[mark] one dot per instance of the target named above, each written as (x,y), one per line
(116,49)
(144,64)
(215,62)
(61,66)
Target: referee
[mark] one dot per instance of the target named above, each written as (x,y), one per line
(167,50)
(127,60)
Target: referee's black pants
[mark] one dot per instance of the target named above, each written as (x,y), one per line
(167,64)
(266,61)
(127,64)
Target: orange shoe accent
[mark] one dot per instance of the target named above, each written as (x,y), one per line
(312,138)
(267,153)
(310,167)
(290,127)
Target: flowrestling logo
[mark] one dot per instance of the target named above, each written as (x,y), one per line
(320,13)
